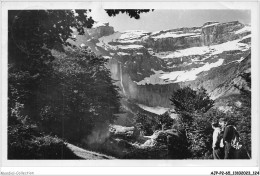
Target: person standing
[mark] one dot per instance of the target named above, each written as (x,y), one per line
(216,146)
(229,134)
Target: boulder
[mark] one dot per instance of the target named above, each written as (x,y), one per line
(121,132)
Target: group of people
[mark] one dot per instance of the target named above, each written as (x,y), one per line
(225,140)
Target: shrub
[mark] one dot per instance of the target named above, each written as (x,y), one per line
(191,101)
(25,142)
(146,124)
(165,121)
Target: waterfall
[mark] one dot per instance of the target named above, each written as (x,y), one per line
(121,79)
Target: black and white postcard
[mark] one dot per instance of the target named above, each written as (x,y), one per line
(130,84)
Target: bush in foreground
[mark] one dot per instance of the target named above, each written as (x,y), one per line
(25,142)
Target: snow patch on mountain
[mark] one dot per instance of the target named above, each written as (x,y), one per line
(157,32)
(243,30)
(153,78)
(124,47)
(190,75)
(125,37)
(238,61)
(161,77)
(173,35)
(129,41)
(211,24)
(246,37)
(122,54)
(107,57)
(212,50)
(195,36)
(132,34)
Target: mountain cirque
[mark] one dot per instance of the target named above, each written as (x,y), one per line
(150,65)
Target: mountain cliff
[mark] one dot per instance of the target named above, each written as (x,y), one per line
(148,66)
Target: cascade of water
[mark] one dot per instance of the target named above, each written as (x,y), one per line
(121,80)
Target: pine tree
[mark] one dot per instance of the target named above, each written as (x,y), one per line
(190,106)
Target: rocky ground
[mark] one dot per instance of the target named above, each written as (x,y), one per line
(128,143)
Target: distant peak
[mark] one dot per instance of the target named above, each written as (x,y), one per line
(232,22)
(210,23)
(99,24)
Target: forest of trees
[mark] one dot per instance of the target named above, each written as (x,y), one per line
(55,93)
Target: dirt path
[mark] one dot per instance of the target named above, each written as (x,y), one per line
(88,155)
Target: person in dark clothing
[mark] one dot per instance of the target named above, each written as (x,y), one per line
(229,134)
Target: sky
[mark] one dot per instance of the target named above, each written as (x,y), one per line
(169,19)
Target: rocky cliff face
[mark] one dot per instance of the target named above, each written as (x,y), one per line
(173,39)
(150,65)
(215,33)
